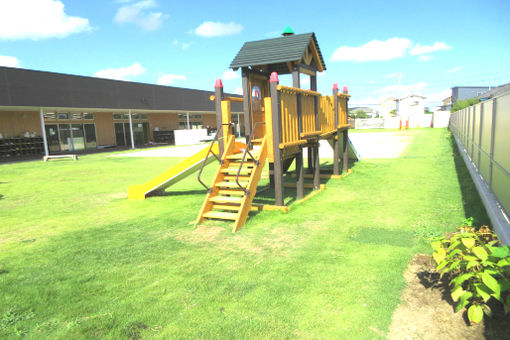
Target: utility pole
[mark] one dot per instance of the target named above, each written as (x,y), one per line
(398,95)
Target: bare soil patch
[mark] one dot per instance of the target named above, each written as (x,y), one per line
(427,311)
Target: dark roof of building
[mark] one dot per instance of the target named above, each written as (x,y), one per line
(277,50)
(496,91)
(28,88)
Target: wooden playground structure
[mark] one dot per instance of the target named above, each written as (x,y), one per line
(280,123)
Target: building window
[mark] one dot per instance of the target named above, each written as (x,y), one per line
(87,115)
(76,116)
(50,116)
(63,116)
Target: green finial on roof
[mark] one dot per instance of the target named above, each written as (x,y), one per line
(287,31)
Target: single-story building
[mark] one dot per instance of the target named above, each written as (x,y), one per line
(79,114)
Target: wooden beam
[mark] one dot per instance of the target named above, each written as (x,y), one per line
(218,90)
(307,71)
(297,90)
(336,146)
(230,99)
(277,139)
(246,102)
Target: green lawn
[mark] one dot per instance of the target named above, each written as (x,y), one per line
(79,260)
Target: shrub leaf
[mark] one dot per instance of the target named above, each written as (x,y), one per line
(475,313)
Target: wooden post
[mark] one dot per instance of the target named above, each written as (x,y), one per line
(296,81)
(277,139)
(218,91)
(300,181)
(336,142)
(246,103)
(316,161)
(227,129)
(346,140)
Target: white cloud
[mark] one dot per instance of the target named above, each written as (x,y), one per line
(9,61)
(168,79)
(38,19)
(437,97)
(182,45)
(374,50)
(139,14)
(425,57)
(238,90)
(229,75)
(392,75)
(455,69)
(210,29)
(393,48)
(419,49)
(394,90)
(323,73)
(121,73)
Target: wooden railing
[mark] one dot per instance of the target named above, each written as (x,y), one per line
(327,114)
(295,104)
(342,110)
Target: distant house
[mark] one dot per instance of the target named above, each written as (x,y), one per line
(447,104)
(386,106)
(467,92)
(369,111)
(495,91)
(412,107)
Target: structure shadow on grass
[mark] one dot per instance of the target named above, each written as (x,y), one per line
(473,206)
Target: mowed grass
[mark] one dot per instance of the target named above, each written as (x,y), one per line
(80,260)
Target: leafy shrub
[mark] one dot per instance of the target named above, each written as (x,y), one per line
(478,268)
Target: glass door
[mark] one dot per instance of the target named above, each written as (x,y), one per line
(52,138)
(90,136)
(65,137)
(78,140)
(119,134)
(127,134)
(138,133)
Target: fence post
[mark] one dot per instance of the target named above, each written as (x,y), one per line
(493,131)
(218,92)
(336,142)
(480,137)
(277,139)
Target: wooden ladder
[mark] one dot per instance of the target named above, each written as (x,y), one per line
(235,185)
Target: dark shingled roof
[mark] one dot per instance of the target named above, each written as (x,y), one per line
(274,51)
(28,88)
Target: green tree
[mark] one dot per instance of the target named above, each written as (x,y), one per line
(461,104)
(360,114)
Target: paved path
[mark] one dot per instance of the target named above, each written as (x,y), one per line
(367,144)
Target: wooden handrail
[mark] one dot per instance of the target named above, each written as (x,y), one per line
(230,99)
(296,90)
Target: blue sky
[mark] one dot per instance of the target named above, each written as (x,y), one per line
(434,45)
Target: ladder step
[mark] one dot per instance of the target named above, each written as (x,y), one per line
(257,140)
(226,199)
(240,155)
(231,184)
(233,192)
(235,170)
(226,207)
(233,178)
(220,215)
(238,164)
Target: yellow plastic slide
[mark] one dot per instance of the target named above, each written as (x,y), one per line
(174,174)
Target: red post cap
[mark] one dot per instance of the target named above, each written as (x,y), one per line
(274,77)
(346,90)
(218,83)
(335,86)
